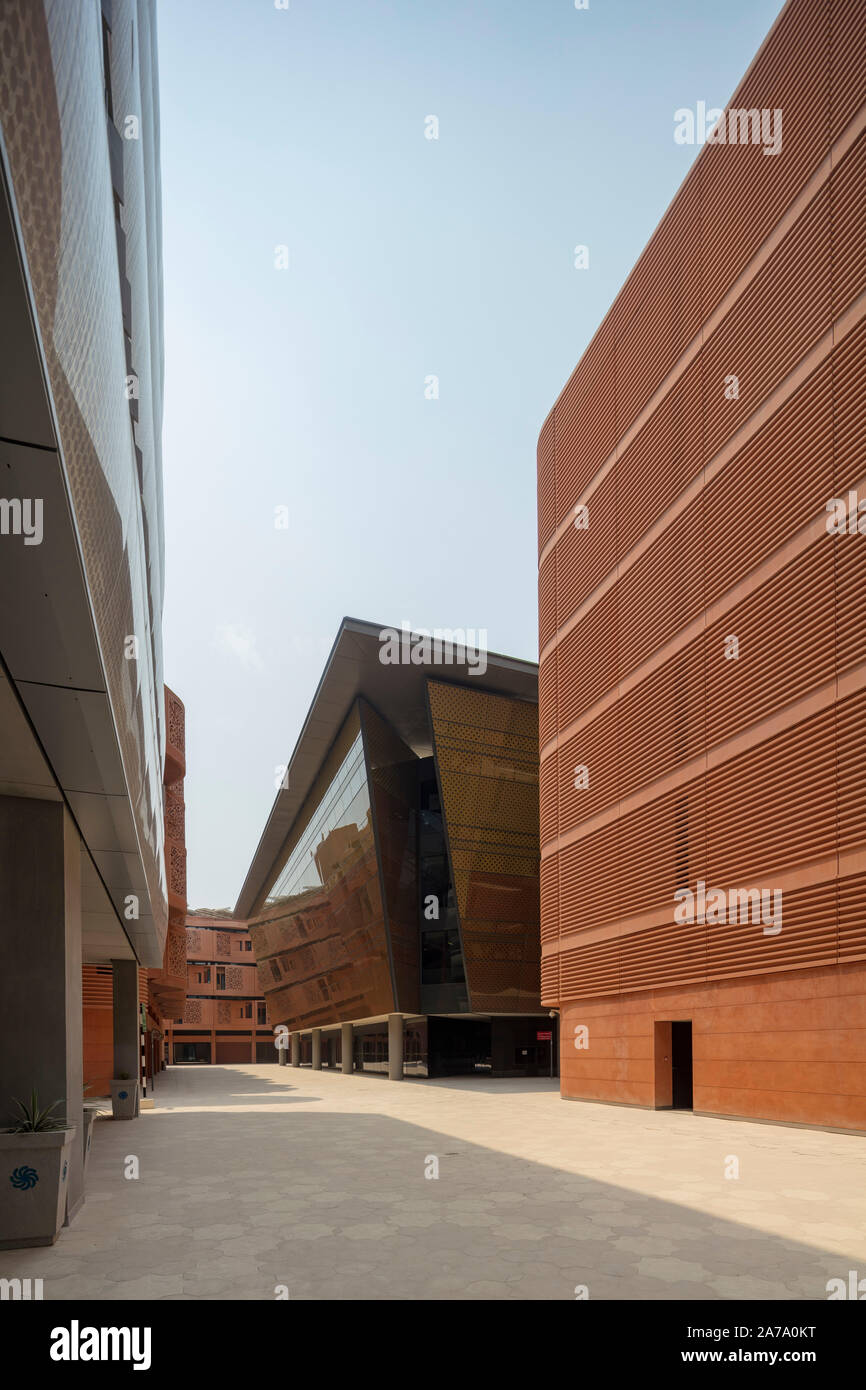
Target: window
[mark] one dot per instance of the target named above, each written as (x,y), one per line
(262,1014)
(246,1010)
(339,826)
(245,945)
(441,958)
(221,977)
(203,976)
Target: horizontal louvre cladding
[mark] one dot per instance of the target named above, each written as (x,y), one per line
(649,868)
(848,216)
(661,847)
(97,982)
(851,773)
(661,592)
(634,864)
(585,557)
(548,791)
(674,954)
(547,600)
(549,899)
(656,336)
(744,191)
(644,350)
(849,552)
(661,720)
(550,980)
(852,918)
(588,889)
(548,698)
(849,416)
(585,971)
(692,953)
(847,63)
(661,460)
(807,938)
(778,318)
(739,552)
(585,426)
(773,807)
(655,261)
(775,484)
(586,662)
(786,645)
(593,748)
(546,482)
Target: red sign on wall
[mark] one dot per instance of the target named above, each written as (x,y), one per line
(544,1037)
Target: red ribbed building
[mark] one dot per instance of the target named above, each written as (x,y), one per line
(702,596)
(161,992)
(222,1018)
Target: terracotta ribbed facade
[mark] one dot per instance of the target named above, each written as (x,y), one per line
(735,764)
(222,1017)
(163,991)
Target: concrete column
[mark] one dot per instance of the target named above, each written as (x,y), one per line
(317,1049)
(347,1037)
(395,1047)
(40,968)
(127,1048)
(295,1040)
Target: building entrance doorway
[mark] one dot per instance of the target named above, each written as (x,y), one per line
(681,1064)
(191,1052)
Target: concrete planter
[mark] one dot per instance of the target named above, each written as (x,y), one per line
(89,1114)
(34,1173)
(124,1100)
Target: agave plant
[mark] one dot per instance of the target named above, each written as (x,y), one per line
(32,1120)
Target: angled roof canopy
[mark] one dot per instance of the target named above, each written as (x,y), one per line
(397,691)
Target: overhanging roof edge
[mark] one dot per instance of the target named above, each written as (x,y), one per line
(517,678)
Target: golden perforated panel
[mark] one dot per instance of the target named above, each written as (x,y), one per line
(486,749)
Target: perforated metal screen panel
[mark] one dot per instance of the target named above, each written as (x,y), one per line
(486,749)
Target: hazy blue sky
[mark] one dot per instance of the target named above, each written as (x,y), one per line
(304,387)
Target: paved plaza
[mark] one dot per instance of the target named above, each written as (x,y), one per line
(255,1177)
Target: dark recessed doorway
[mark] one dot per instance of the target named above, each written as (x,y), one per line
(681,1062)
